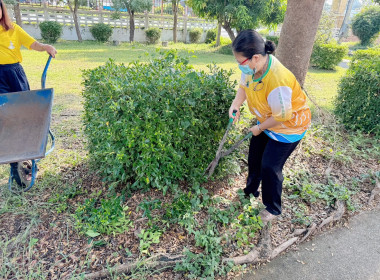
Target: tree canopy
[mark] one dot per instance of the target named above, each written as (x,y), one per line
(241,14)
(366,24)
(133,6)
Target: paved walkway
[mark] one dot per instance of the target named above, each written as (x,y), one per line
(343,254)
(344,63)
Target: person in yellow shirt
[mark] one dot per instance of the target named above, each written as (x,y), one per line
(12,75)
(276,99)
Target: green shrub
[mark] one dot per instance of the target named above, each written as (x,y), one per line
(153,35)
(50,31)
(211,35)
(263,32)
(371,53)
(108,216)
(152,124)
(195,35)
(101,32)
(225,49)
(358,100)
(223,41)
(366,24)
(327,56)
(274,39)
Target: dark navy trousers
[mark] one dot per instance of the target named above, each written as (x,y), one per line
(266,160)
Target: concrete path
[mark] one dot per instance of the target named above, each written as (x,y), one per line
(344,63)
(344,254)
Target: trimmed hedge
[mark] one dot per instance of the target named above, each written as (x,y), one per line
(195,35)
(358,100)
(101,32)
(51,31)
(225,49)
(155,123)
(153,35)
(211,35)
(327,56)
(223,41)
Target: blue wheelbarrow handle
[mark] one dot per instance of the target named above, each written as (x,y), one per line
(43,78)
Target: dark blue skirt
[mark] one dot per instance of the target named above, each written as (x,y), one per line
(13,78)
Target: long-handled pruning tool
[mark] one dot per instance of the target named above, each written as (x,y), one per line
(219,154)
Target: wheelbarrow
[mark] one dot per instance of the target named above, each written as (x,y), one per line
(24,131)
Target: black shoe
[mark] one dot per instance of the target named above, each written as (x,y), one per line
(248,192)
(15,174)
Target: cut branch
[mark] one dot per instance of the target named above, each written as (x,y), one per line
(160,260)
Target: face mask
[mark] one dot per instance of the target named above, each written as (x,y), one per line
(246,70)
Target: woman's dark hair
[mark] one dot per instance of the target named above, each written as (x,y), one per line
(249,43)
(5,20)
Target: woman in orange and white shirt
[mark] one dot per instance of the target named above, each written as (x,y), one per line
(12,75)
(276,99)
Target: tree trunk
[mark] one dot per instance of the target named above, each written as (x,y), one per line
(218,34)
(131,25)
(344,26)
(75,17)
(16,9)
(175,13)
(77,23)
(229,30)
(297,35)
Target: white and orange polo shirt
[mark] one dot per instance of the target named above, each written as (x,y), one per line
(281,97)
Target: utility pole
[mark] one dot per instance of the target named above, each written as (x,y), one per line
(347,14)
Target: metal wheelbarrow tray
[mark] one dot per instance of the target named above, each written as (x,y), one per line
(24,124)
(24,130)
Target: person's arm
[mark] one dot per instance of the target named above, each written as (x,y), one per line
(43,47)
(280,102)
(238,101)
(268,123)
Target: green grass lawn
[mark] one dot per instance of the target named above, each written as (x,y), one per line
(322,86)
(65,73)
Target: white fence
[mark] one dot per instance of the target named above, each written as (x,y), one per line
(32,16)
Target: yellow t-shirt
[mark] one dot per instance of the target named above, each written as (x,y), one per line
(279,96)
(11,42)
